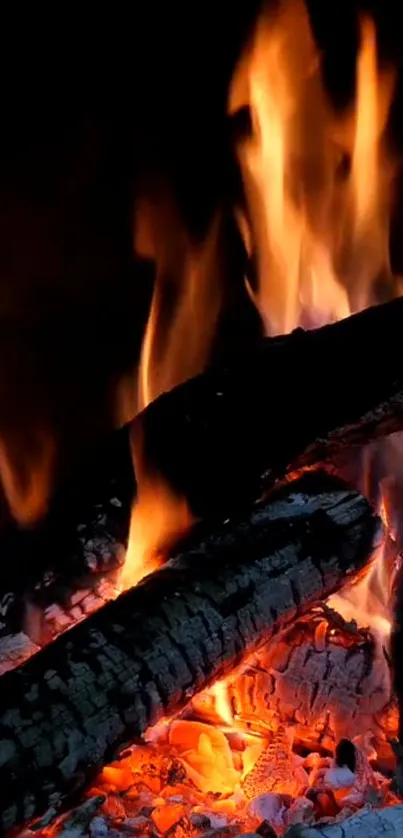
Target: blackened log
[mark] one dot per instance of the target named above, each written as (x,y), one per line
(66,711)
(222,437)
(82,538)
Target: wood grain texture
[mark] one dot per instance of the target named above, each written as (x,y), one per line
(67,710)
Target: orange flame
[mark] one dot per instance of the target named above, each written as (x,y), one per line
(305,223)
(26,475)
(321,248)
(176,346)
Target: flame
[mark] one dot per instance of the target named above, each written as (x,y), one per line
(369,602)
(321,241)
(176,345)
(26,474)
(364,231)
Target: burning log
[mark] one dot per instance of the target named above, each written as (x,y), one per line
(322,678)
(68,709)
(223,436)
(369,823)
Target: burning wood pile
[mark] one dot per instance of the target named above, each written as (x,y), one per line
(248,750)
(236,671)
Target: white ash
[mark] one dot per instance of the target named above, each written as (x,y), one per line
(98,827)
(339,777)
(301,810)
(15,649)
(268,807)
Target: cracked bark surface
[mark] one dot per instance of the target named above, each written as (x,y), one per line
(220,437)
(371,823)
(68,709)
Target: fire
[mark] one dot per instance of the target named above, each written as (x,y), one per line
(27,475)
(369,602)
(176,346)
(318,238)
(321,240)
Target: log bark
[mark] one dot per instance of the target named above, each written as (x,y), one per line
(369,823)
(297,400)
(67,710)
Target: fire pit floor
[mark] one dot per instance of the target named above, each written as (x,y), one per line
(257,753)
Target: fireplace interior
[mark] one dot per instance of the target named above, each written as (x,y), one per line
(201,460)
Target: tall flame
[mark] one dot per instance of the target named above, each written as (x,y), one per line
(306,221)
(176,346)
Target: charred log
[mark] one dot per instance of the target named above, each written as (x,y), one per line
(224,436)
(365,824)
(69,708)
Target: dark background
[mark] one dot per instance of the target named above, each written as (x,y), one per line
(92,104)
